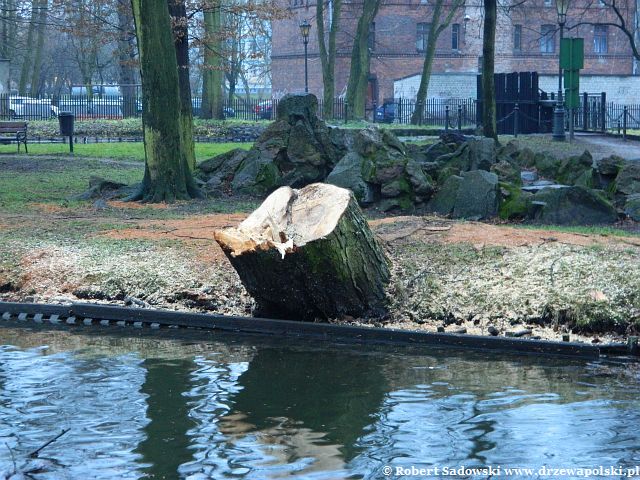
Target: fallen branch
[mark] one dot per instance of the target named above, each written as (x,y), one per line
(36,452)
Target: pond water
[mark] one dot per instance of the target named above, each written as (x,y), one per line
(197,405)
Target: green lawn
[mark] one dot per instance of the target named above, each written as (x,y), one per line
(120,151)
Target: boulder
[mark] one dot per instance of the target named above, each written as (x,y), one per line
(574,167)
(348,174)
(632,207)
(628,179)
(610,166)
(507,172)
(572,206)
(482,153)
(444,200)
(515,204)
(478,195)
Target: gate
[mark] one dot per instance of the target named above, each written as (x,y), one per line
(519,88)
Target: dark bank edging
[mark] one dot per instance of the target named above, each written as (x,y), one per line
(79,312)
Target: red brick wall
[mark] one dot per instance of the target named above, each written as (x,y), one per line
(395,55)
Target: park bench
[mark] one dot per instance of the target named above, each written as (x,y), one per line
(14,131)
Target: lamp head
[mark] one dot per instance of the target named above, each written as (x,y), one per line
(305,27)
(561,7)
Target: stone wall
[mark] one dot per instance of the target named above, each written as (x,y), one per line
(619,89)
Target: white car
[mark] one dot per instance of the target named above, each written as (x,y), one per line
(31,108)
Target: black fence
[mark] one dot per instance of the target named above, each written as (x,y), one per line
(438,113)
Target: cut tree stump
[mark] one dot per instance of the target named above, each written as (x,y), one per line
(309,253)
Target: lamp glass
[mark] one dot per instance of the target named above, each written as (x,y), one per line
(561,7)
(304,29)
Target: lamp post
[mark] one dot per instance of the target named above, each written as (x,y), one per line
(305,27)
(558,114)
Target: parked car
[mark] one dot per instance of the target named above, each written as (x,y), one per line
(264,109)
(196,104)
(386,113)
(31,108)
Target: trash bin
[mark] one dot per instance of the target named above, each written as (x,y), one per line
(66,119)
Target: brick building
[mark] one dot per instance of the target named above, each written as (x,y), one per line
(526,40)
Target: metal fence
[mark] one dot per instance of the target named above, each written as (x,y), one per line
(439,113)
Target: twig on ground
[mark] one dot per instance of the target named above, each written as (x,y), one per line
(36,452)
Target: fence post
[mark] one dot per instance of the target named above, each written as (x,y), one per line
(603,112)
(346,113)
(446,118)
(375,107)
(625,112)
(516,126)
(619,127)
(585,111)
(459,118)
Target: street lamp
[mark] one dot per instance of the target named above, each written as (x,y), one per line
(558,114)
(305,27)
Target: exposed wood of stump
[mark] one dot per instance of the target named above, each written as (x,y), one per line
(309,253)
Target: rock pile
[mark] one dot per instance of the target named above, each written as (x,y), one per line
(459,176)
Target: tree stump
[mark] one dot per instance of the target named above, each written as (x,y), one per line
(309,253)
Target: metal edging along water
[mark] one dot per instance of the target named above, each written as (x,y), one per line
(88,313)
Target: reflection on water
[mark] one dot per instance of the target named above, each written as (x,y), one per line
(203,406)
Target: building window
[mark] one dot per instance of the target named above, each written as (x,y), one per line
(422,36)
(455,36)
(600,44)
(548,39)
(517,38)
(371,40)
(548,3)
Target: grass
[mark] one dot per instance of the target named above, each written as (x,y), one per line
(582,230)
(117,151)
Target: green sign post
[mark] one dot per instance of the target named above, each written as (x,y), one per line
(571,61)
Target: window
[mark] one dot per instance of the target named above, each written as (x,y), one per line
(600,44)
(517,38)
(548,39)
(548,3)
(422,36)
(455,36)
(371,40)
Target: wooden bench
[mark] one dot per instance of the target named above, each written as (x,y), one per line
(14,131)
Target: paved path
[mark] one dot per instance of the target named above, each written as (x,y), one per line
(602,146)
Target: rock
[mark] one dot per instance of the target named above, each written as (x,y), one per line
(493,331)
(516,204)
(477,196)
(546,165)
(574,167)
(348,174)
(526,158)
(507,172)
(572,206)
(610,166)
(444,201)
(432,152)
(528,176)
(99,187)
(632,207)
(482,153)
(256,175)
(628,179)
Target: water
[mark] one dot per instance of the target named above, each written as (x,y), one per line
(207,405)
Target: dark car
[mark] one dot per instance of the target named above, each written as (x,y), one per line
(385,113)
(264,109)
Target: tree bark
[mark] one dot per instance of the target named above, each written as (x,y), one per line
(43,7)
(27,62)
(212,75)
(309,253)
(126,57)
(178,12)
(434,32)
(360,61)
(488,69)
(328,54)
(167,174)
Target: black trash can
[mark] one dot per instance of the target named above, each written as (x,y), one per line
(66,119)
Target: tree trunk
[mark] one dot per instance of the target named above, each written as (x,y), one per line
(167,174)
(360,61)
(432,38)
(43,6)
(178,11)
(309,253)
(488,69)
(212,75)
(126,56)
(25,71)
(328,55)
